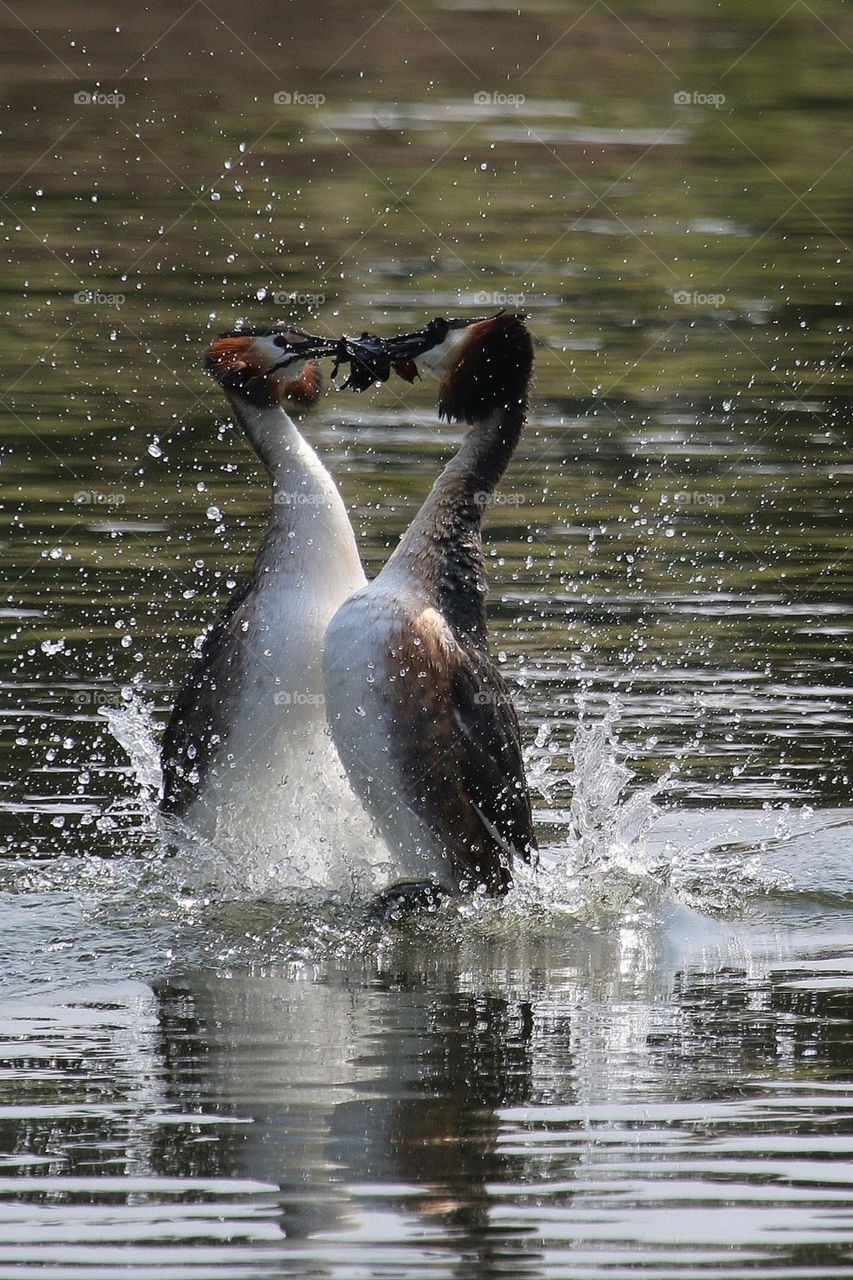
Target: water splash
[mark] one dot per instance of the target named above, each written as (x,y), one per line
(323,848)
(605,862)
(597,865)
(609,858)
(601,861)
(132,726)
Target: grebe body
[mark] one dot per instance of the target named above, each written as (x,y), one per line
(422,719)
(248,763)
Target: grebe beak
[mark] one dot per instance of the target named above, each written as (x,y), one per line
(243,359)
(434,349)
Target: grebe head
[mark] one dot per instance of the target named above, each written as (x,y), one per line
(484,363)
(266,367)
(264,377)
(488,372)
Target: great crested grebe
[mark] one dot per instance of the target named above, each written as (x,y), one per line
(420,715)
(247,759)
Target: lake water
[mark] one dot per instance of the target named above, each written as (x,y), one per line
(641,1063)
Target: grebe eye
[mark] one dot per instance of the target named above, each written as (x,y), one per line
(282,340)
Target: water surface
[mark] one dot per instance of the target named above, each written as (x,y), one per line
(640,1065)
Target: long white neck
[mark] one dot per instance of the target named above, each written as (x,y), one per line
(309,540)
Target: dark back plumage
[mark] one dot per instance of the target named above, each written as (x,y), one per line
(204,708)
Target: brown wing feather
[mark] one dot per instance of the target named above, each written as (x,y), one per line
(200,718)
(460,753)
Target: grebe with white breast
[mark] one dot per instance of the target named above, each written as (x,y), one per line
(421,717)
(247,760)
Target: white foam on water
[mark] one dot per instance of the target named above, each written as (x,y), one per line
(622,875)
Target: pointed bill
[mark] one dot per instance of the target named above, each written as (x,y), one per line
(373,359)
